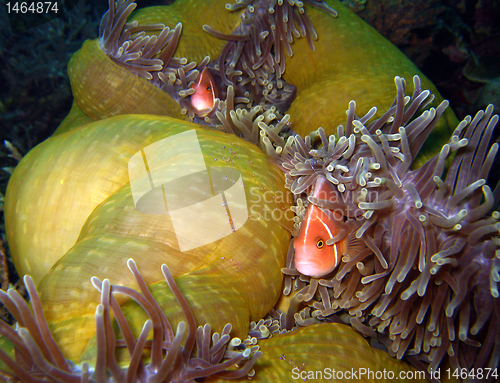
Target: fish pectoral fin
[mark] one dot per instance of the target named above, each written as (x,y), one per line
(354,246)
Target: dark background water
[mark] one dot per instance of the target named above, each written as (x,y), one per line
(456,43)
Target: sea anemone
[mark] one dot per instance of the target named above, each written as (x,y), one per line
(249,69)
(38,358)
(427,279)
(254,59)
(247,60)
(250,65)
(107,228)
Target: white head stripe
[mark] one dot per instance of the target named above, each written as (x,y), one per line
(326,227)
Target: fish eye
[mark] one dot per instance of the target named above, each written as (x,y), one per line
(208,87)
(320,243)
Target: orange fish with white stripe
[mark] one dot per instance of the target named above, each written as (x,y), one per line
(205,92)
(313,256)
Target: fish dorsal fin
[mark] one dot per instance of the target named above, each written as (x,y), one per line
(324,190)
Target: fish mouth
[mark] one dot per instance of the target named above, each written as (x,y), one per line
(311,269)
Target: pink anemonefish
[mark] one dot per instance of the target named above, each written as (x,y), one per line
(313,257)
(205,92)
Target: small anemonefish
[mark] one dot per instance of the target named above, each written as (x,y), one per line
(313,257)
(205,92)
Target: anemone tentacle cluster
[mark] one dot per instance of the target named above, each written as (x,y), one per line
(127,44)
(254,59)
(180,363)
(250,65)
(150,57)
(427,280)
